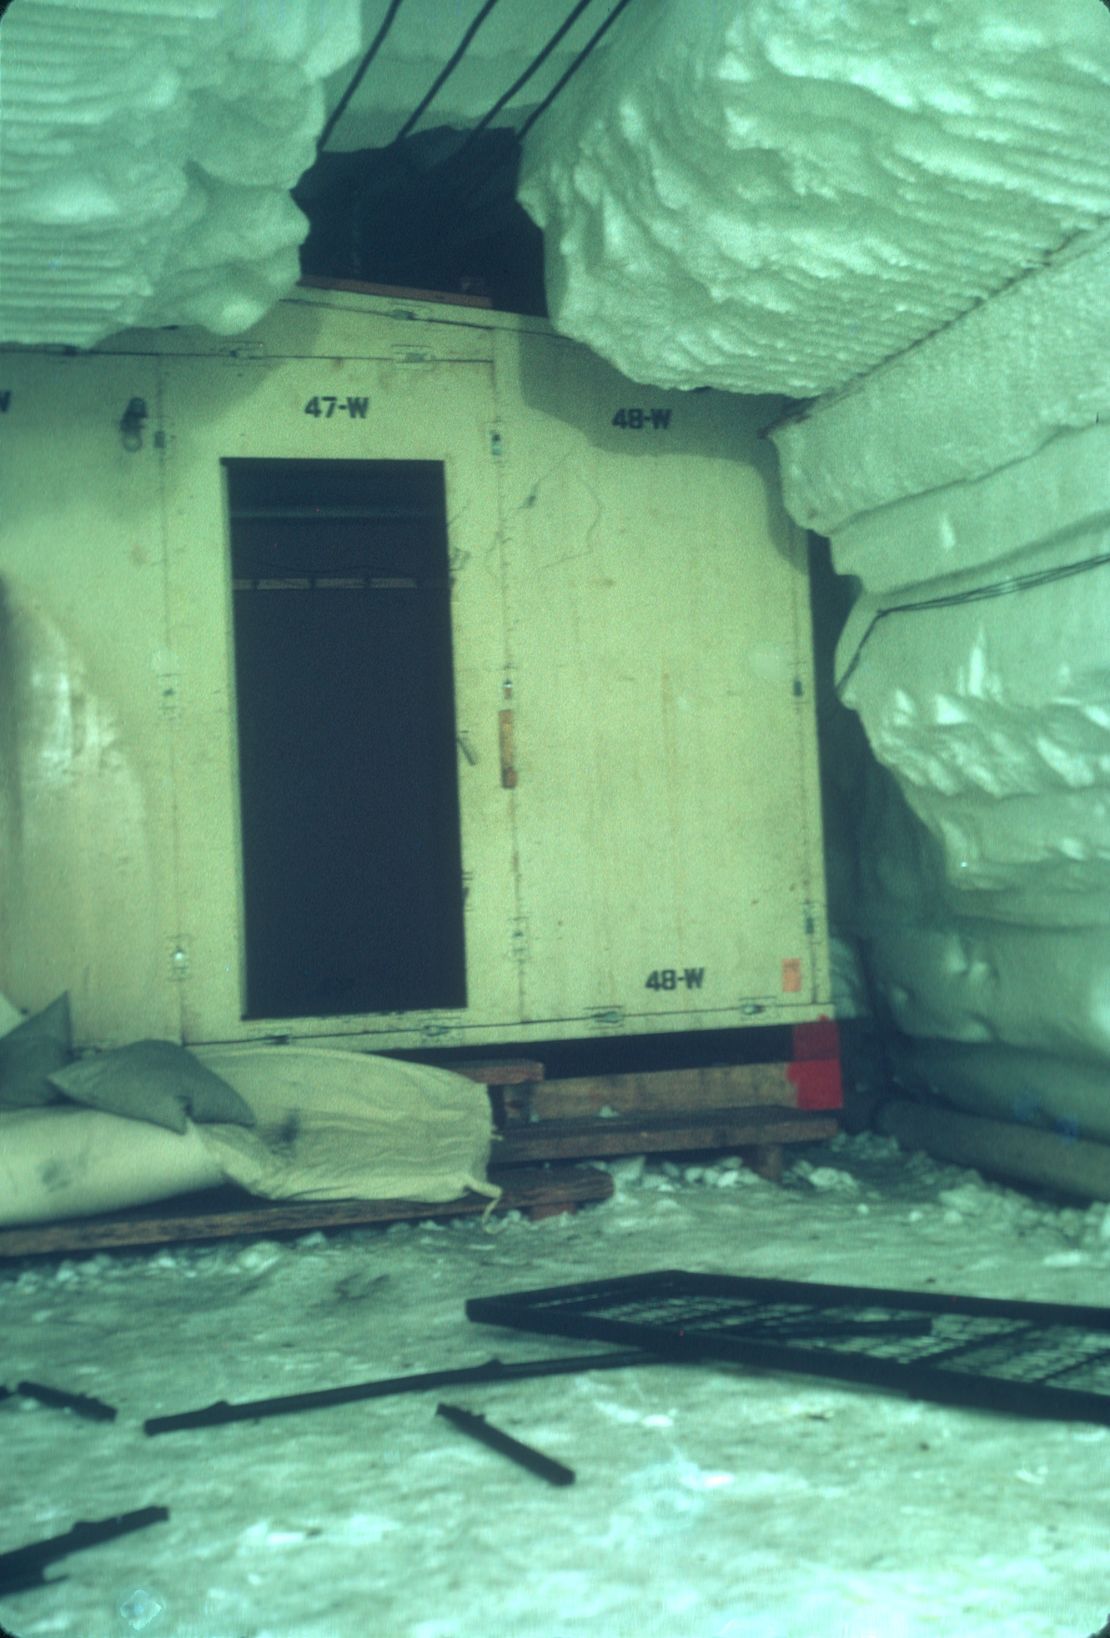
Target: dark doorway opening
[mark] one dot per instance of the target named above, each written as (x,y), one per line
(352,869)
(437,210)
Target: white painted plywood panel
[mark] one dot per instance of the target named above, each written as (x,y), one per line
(667,805)
(420,410)
(631,592)
(87,702)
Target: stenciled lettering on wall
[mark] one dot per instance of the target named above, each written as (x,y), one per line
(642,420)
(323,404)
(671,978)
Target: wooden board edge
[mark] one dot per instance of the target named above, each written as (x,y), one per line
(524,1189)
(358,287)
(721,1130)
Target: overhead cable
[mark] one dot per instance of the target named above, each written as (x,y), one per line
(522,79)
(471,193)
(371,52)
(977,594)
(446,71)
(595,39)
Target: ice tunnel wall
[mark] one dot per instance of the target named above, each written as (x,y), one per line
(966,487)
(899,210)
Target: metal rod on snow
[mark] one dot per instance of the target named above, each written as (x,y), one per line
(82,1404)
(494,1370)
(544,1467)
(23,1567)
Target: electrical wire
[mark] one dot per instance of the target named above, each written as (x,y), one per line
(595,39)
(978,594)
(371,52)
(470,194)
(472,136)
(522,79)
(446,71)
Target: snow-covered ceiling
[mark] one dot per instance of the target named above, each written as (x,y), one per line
(149,146)
(767,196)
(148,149)
(779,194)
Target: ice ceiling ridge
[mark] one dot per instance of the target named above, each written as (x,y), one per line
(148,153)
(761,195)
(776,197)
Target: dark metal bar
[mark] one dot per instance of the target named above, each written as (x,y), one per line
(1099,1359)
(818,1330)
(983,1352)
(81,1404)
(680,1284)
(23,1567)
(544,1467)
(494,1370)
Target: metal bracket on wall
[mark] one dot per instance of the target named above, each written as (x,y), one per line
(169,683)
(518,938)
(603,1020)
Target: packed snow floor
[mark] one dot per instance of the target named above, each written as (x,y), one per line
(710,1502)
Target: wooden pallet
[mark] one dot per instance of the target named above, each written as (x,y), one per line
(227,1213)
(745,1108)
(758,1134)
(752,1109)
(657,1092)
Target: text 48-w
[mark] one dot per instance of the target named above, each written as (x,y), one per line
(673,978)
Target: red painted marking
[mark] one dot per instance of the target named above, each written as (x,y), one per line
(791,977)
(815,1070)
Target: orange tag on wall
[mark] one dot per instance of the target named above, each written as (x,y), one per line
(791,977)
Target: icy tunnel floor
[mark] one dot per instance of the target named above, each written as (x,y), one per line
(710,1502)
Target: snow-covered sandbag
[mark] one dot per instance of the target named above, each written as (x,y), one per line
(156,1081)
(61,1161)
(30,1052)
(333,1124)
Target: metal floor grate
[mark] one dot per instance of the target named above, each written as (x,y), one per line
(1031,1359)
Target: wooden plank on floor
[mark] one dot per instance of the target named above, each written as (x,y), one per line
(181,1221)
(663,1092)
(653,1134)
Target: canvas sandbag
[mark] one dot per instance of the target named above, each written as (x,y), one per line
(31,1052)
(63,1161)
(332,1124)
(155,1081)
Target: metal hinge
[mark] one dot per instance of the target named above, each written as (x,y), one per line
(169,698)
